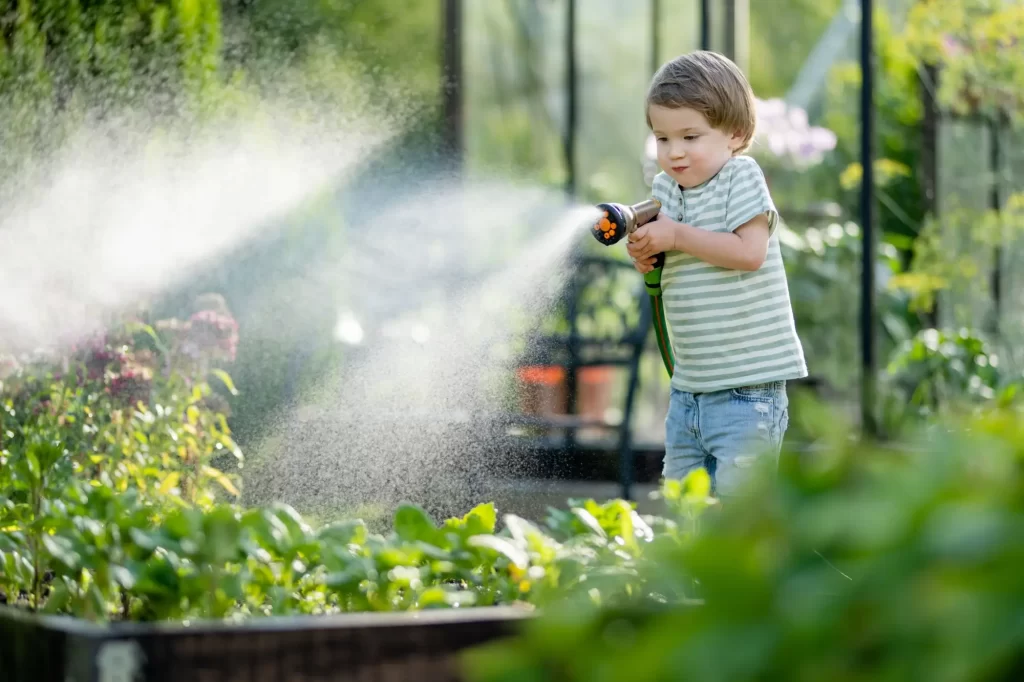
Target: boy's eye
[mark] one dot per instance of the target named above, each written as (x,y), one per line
(691,137)
(662,139)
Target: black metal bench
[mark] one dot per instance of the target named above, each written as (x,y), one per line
(603,320)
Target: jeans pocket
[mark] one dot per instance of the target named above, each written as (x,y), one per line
(765,392)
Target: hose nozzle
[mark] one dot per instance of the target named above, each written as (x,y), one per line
(619,220)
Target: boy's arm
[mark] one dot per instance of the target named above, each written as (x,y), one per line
(750,219)
(743,249)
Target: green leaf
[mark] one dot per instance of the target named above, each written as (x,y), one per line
(62,549)
(222,531)
(136,326)
(221,478)
(60,597)
(481,518)
(142,539)
(226,380)
(697,485)
(344,533)
(347,580)
(528,536)
(124,577)
(11,565)
(291,518)
(392,557)
(158,578)
(233,586)
(412,523)
(169,483)
(503,547)
(32,465)
(47,455)
(183,523)
(589,521)
(433,597)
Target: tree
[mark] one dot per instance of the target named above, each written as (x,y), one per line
(64,60)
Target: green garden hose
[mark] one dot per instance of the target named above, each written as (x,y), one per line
(653,281)
(619,220)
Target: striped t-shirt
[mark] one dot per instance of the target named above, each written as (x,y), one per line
(729,328)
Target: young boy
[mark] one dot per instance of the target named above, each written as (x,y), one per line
(725,291)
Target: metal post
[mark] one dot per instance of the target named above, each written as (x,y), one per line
(729,37)
(705,24)
(627,458)
(570,92)
(572,366)
(451,79)
(655,35)
(867,277)
(996,204)
(570,189)
(928,77)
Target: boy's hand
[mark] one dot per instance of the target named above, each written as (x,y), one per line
(657,236)
(643,266)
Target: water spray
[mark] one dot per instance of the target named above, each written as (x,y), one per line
(620,220)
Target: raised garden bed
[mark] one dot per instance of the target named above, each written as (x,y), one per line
(378,647)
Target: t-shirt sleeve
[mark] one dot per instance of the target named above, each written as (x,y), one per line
(748,196)
(661,188)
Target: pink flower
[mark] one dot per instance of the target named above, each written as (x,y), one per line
(132,385)
(952,47)
(8,366)
(213,333)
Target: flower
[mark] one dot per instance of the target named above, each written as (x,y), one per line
(132,384)
(8,366)
(787,134)
(211,333)
(783,130)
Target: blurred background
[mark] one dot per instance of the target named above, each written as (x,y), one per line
(540,102)
(287,282)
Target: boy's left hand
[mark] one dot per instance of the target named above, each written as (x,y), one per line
(657,236)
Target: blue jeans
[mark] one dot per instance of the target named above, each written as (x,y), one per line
(732,433)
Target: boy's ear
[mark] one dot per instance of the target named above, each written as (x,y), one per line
(735,141)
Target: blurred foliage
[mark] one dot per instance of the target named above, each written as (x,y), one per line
(782,36)
(395,45)
(62,62)
(976,44)
(823,266)
(954,251)
(901,209)
(130,410)
(515,89)
(101,551)
(859,563)
(940,373)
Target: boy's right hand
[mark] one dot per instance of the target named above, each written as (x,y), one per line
(643,265)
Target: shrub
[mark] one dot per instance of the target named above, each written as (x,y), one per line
(129,412)
(858,563)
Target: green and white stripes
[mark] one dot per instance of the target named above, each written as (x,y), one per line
(729,328)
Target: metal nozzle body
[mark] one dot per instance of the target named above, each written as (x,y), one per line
(620,219)
(642,213)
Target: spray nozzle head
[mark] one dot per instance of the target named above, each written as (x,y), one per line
(618,220)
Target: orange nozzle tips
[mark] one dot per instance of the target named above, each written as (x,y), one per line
(605,227)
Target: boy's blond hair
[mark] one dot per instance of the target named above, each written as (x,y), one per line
(711,84)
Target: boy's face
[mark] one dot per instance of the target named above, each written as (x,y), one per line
(690,151)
